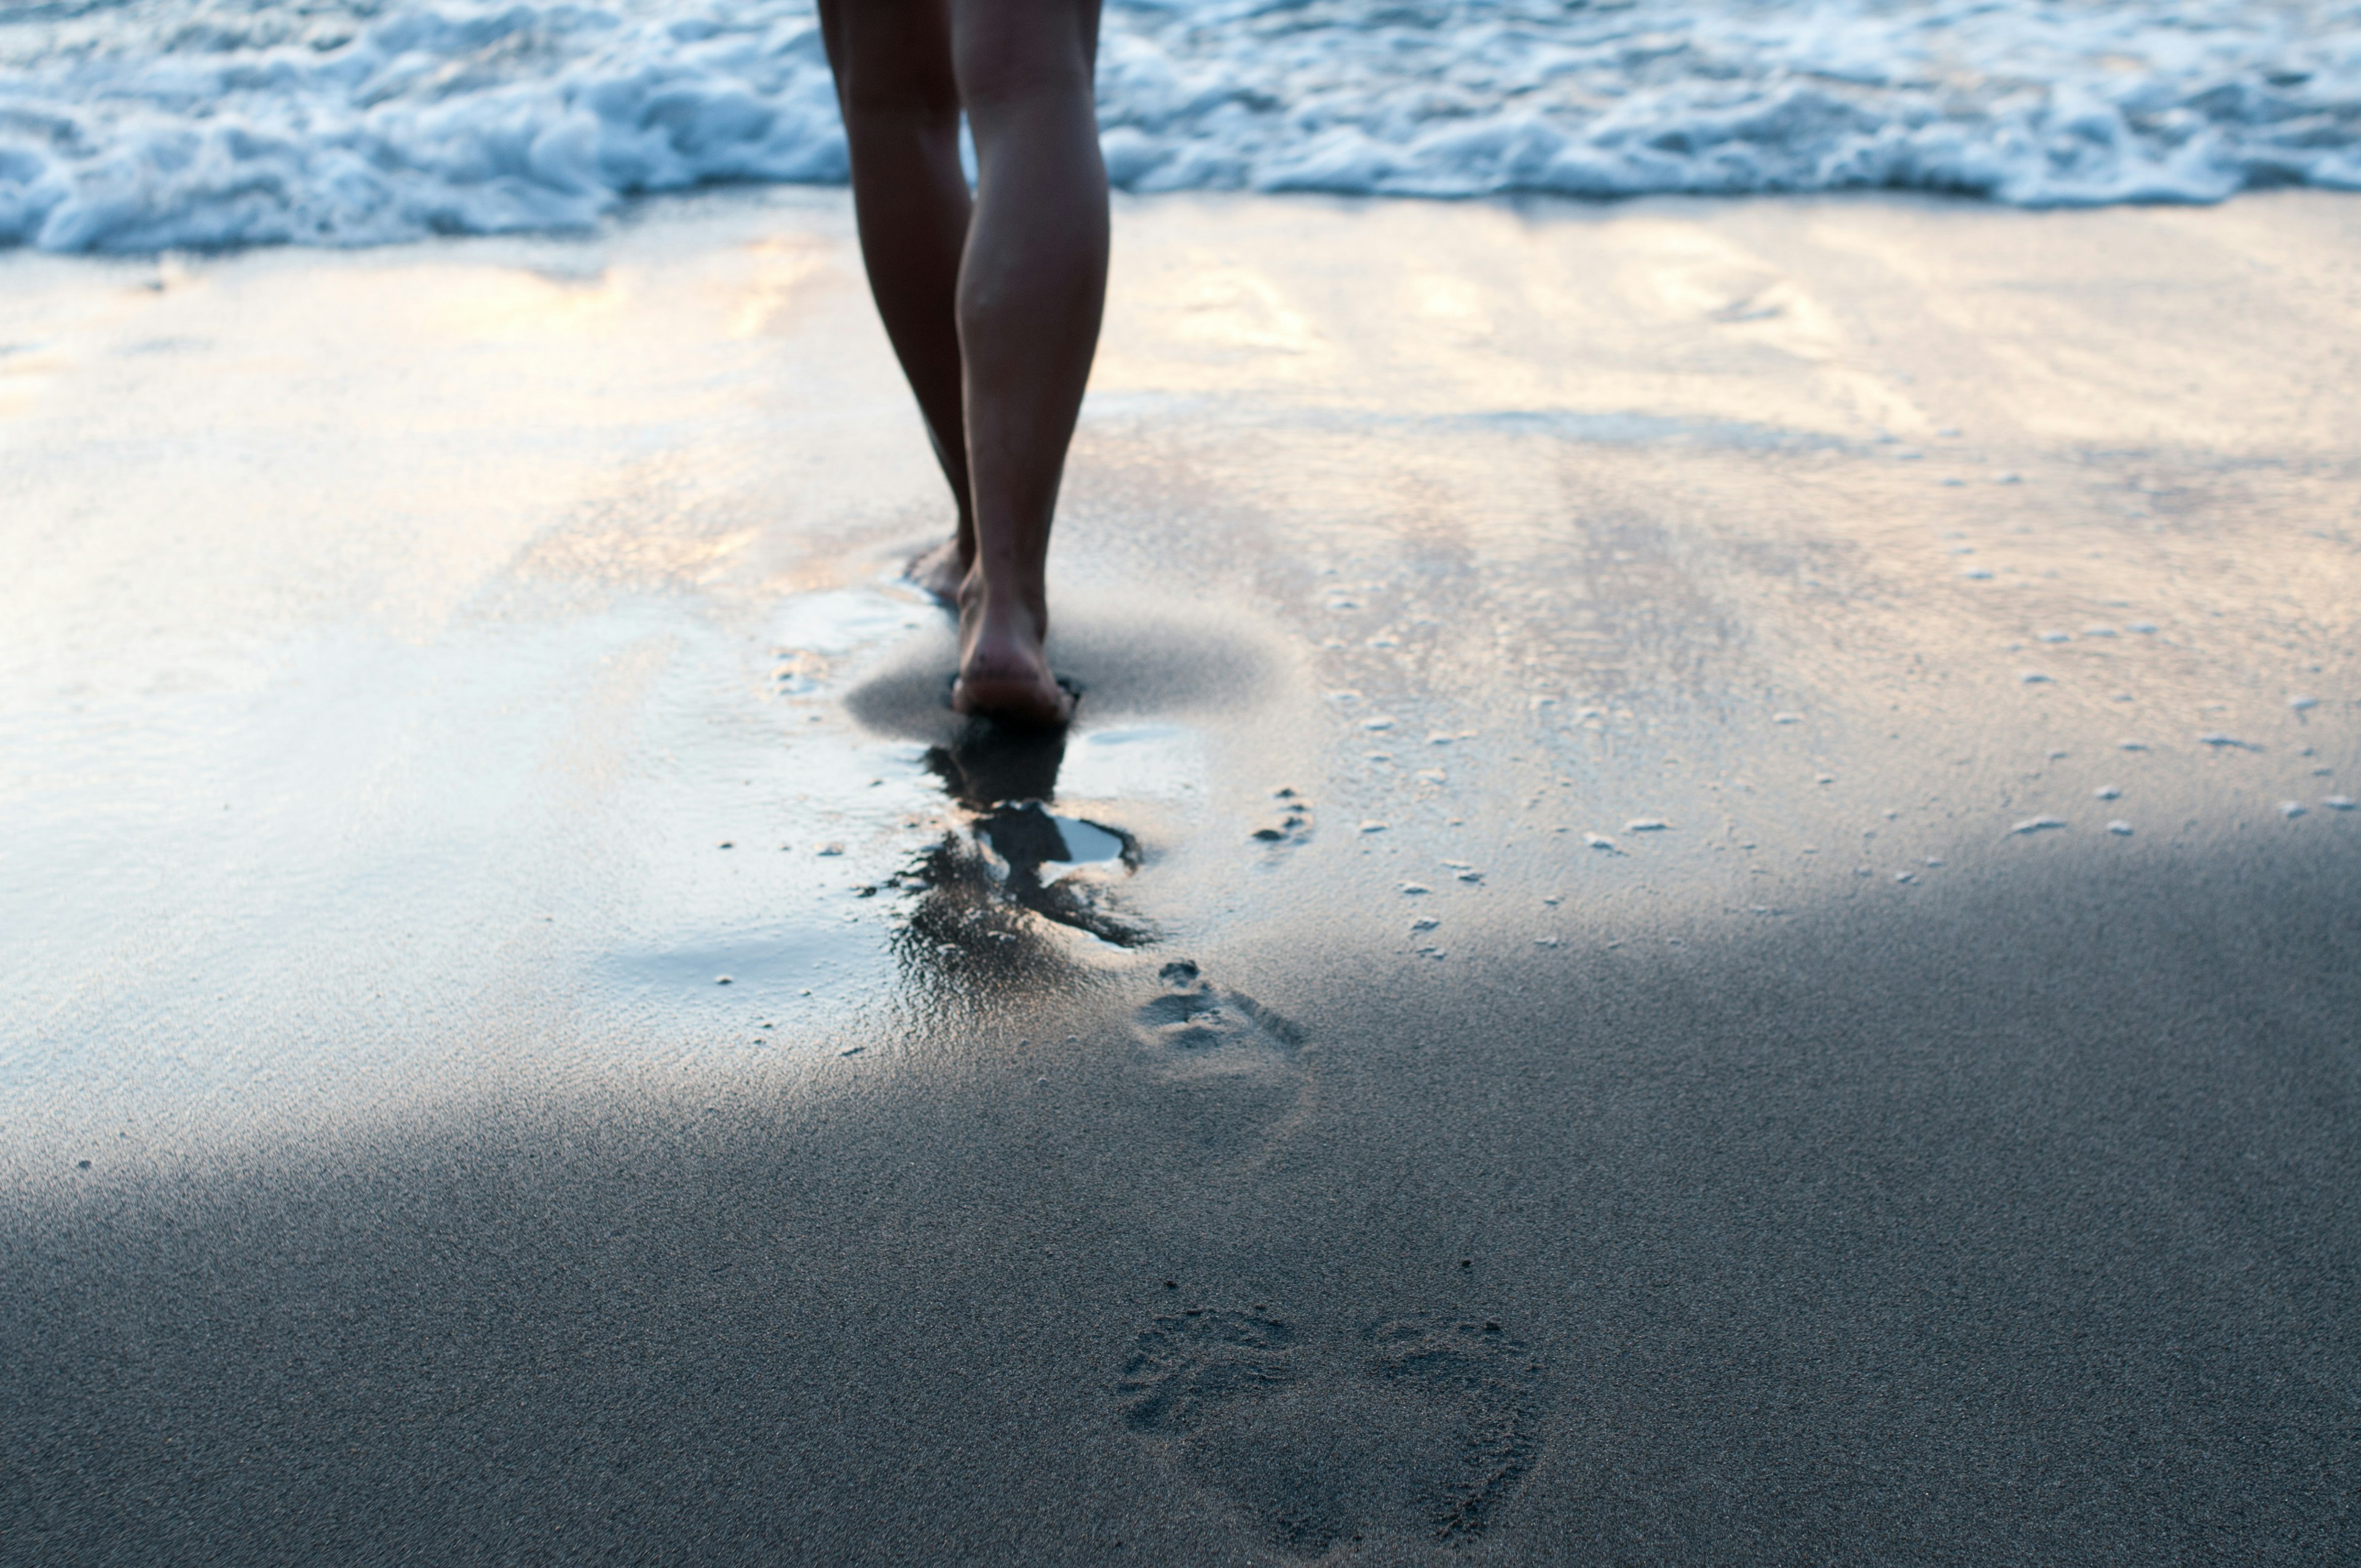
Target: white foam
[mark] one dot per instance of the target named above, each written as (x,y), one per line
(343,121)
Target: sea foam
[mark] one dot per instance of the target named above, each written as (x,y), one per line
(149,124)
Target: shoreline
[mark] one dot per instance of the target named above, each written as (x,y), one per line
(432,671)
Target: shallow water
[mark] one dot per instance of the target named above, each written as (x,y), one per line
(152,123)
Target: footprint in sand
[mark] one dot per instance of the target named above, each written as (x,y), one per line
(1195,1027)
(1231,1074)
(1418,1426)
(1293,824)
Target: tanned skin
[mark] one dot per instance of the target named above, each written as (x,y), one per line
(993,299)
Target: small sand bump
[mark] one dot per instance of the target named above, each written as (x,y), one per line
(1976,574)
(2098,631)
(1905,876)
(1786,718)
(2057,636)
(2032,677)
(2218,738)
(1932,861)
(1646,825)
(2131,745)
(1413,889)
(1424,923)
(2119,825)
(1373,827)
(2037,824)
(2145,627)
(2301,703)
(2337,802)
(2292,808)
(2106,792)
(1381,722)
(1598,841)
(721,979)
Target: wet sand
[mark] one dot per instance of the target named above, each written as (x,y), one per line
(1711,916)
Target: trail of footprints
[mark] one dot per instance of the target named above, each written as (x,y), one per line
(1420,1426)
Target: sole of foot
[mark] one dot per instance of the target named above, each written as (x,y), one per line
(1016,697)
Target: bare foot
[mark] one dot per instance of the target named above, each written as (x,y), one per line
(938,571)
(1004,673)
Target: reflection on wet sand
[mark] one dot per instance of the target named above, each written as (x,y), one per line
(1011,857)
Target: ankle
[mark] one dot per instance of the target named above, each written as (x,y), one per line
(989,600)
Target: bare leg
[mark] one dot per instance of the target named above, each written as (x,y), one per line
(1031,289)
(900,97)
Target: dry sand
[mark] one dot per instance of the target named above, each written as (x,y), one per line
(425,673)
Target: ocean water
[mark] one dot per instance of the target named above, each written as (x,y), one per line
(137,125)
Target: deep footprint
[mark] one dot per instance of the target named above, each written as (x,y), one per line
(1418,1426)
(1194,1022)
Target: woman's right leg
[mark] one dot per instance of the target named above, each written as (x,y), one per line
(900,97)
(1030,296)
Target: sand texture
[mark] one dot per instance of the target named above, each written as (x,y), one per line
(1703,908)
